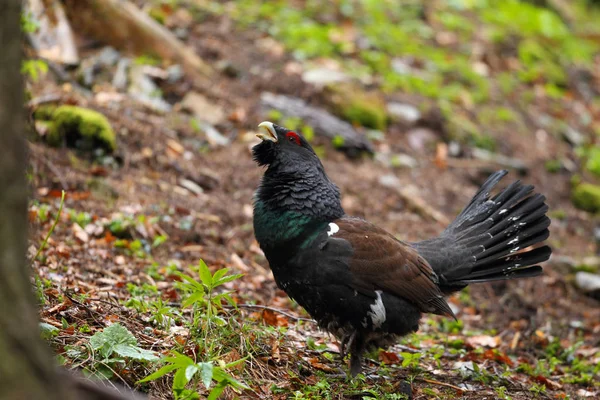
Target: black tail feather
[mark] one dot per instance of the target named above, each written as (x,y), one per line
(491,238)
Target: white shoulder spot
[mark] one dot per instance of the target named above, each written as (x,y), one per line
(333,229)
(377,312)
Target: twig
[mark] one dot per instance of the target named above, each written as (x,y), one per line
(57,173)
(60,208)
(86,308)
(434,382)
(47,98)
(275,310)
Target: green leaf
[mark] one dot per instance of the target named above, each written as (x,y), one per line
(216,392)
(197,286)
(111,336)
(219,274)
(161,372)
(206,373)
(190,371)
(180,379)
(225,279)
(236,362)
(205,275)
(48,331)
(179,359)
(137,353)
(195,297)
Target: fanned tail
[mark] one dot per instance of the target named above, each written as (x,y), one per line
(491,238)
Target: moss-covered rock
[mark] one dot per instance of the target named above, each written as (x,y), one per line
(586,196)
(77,127)
(356,105)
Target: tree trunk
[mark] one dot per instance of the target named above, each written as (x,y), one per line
(26,367)
(26,370)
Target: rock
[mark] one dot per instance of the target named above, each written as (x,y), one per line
(397,160)
(87,71)
(77,127)
(401,66)
(586,196)
(356,105)
(406,113)
(465,368)
(323,122)
(500,159)
(573,136)
(588,283)
(191,186)
(213,136)
(324,76)
(202,108)
(454,149)
(174,73)
(108,56)
(419,139)
(120,78)
(143,89)
(228,68)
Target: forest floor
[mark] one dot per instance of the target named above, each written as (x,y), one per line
(135,221)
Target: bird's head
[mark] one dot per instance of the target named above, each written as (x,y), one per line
(282,146)
(295,179)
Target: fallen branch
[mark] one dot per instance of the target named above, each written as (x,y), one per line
(275,310)
(124,26)
(434,382)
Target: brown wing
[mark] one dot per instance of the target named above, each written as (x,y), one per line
(381,262)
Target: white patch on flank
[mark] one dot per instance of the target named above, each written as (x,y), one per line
(333,229)
(515,240)
(377,312)
(502,211)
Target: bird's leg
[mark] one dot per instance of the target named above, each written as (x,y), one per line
(346,341)
(357,348)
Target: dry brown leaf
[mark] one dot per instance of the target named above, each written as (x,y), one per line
(389,357)
(274,319)
(483,341)
(317,364)
(80,233)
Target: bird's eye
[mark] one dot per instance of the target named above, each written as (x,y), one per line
(293,137)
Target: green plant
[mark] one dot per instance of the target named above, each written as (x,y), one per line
(410,360)
(115,343)
(45,242)
(34,69)
(202,298)
(187,370)
(115,346)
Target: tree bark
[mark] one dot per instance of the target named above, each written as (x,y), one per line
(26,370)
(26,367)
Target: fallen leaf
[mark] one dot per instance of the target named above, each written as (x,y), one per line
(317,364)
(483,341)
(389,357)
(80,233)
(274,319)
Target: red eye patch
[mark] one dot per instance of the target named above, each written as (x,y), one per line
(293,137)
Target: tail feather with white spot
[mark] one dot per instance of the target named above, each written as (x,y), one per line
(491,238)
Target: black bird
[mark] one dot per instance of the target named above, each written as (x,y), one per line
(358,281)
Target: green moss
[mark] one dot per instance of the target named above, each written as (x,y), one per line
(157,14)
(357,106)
(587,197)
(77,127)
(553,166)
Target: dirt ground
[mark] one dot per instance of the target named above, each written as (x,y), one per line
(156,151)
